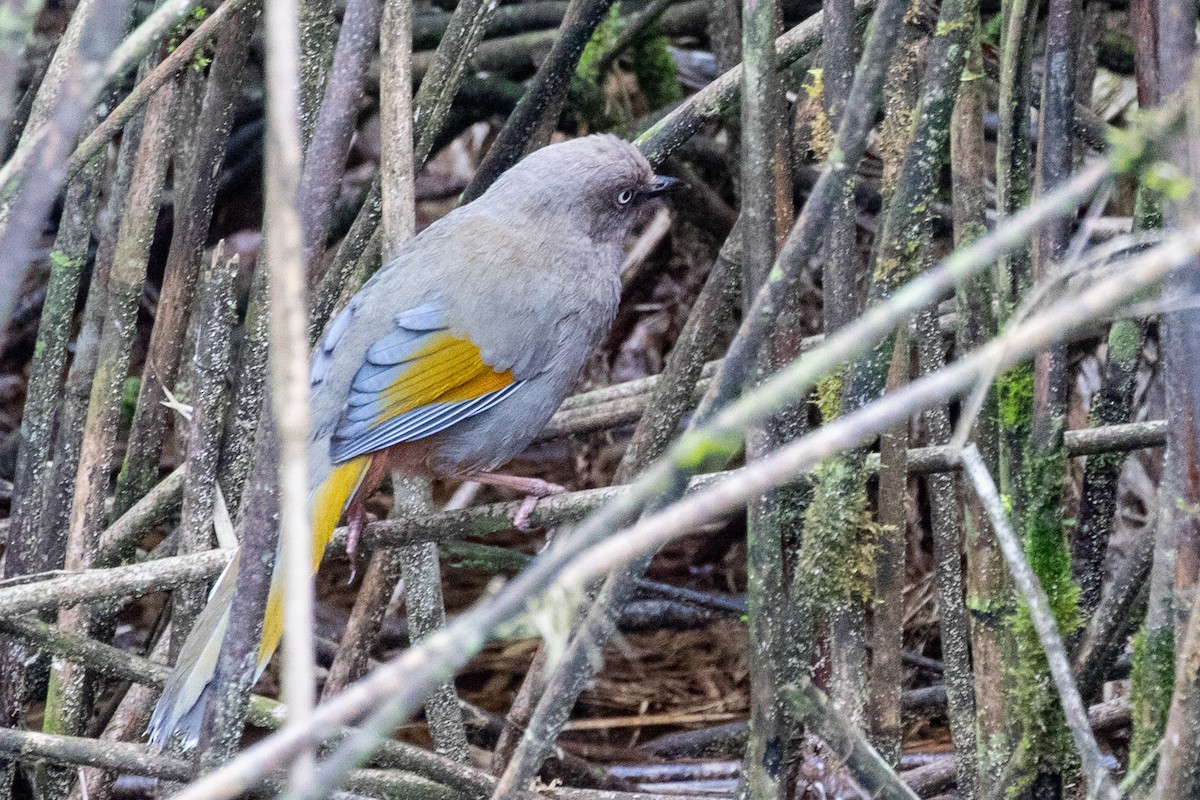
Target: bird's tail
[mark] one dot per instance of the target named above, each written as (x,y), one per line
(181,706)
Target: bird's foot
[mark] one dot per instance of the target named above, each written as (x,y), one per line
(534,488)
(356,519)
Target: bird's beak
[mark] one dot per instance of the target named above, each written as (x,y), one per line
(661,185)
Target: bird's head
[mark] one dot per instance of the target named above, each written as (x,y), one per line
(599,184)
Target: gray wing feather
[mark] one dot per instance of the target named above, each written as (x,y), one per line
(358,432)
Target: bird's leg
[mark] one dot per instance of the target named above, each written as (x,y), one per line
(534,488)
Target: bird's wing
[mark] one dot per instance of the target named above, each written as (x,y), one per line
(416,380)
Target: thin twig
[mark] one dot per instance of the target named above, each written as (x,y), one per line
(283,248)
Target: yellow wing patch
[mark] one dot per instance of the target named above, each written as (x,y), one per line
(446,369)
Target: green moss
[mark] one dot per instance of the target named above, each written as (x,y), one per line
(1125,343)
(61,261)
(1153,679)
(129,397)
(992,29)
(53,715)
(822,130)
(1147,209)
(1167,179)
(656,74)
(839,541)
(601,42)
(183,29)
(1014,390)
(703,452)
(829,395)
(1045,736)
(646,57)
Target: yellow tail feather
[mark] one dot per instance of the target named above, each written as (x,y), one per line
(327,504)
(181,706)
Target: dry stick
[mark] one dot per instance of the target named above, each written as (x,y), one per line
(77,388)
(1092,762)
(242,425)
(1179,763)
(839,501)
(396,168)
(214,321)
(1038,505)
(26,551)
(968,646)
(885,678)
(1097,504)
(325,157)
(898,255)
(394,689)
(431,24)
(1013,160)
(763,777)
(843,285)
(198,171)
(318,29)
(542,101)
(125,288)
(113,583)
(1114,620)
(283,249)
(142,446)
(954,626)
(426,614)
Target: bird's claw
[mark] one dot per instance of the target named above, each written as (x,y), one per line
(521,519)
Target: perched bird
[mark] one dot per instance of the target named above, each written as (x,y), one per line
(450,359)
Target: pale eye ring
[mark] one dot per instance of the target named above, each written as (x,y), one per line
(625,196)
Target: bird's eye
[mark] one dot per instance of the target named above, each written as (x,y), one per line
(625,196)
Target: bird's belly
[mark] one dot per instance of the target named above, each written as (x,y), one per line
(489,440)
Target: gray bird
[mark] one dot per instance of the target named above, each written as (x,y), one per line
(450,360)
